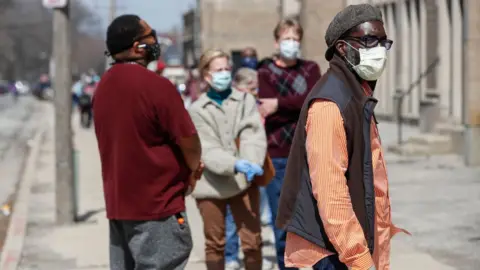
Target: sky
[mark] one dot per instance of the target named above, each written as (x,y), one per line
(162,15)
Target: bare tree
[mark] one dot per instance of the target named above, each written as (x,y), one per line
(26,37)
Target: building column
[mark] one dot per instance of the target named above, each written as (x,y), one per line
(457,63)
(416,54)
(444,83)
(404,55)
(315,16)
(392,64)
(431,42)
(472,83)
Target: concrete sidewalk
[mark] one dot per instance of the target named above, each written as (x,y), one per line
(85,245)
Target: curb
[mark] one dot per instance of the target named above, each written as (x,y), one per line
(12,249)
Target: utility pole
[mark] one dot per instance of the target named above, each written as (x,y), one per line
(65,193)
(281,9)
(113,13)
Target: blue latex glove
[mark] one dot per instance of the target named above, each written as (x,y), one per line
(255,170)
(249,169)
(242,166)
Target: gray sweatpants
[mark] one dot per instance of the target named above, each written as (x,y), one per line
(150,245)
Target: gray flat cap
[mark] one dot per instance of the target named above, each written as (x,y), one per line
(345,20)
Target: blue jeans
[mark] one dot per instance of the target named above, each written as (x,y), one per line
(232,245)
(273,192)
(330,263)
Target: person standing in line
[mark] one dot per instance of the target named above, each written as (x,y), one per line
(245,80)
(249,58)
(233,149)
(150,154)
(335,203)
(250,61)
(284,83)
(193,85)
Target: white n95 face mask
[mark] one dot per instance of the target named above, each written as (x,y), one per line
(372,62)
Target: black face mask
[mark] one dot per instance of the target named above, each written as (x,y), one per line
(153,51)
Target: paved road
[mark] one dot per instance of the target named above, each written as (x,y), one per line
(437,199)
(17,124)
(6,101)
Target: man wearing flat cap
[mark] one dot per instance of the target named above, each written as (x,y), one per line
(334,202)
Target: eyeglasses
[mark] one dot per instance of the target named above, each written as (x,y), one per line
(372,41)
(152,33)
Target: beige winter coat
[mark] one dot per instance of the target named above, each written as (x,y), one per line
(218,126)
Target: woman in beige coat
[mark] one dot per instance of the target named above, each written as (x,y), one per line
(221,115)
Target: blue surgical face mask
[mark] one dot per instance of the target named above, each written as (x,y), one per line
(249,62)
(221,80)
(290,49)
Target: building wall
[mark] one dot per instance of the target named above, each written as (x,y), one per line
(191,38)
(233,24)
(315,16)
(472,83)
(188,38)
(414,26)
(291,8)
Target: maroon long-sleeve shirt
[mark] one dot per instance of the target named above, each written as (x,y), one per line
(290,86)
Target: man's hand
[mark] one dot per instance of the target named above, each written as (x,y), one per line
(268,106)
(197,174)
(194,177)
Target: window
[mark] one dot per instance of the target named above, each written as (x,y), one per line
(236,60)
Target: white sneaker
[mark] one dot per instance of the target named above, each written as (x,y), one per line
(267,265)
(233,265)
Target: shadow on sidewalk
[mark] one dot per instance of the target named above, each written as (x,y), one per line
(87,215)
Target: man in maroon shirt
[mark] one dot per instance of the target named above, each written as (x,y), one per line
(284,82)
(150,154)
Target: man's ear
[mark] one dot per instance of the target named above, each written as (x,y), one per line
(138,48)
(340,47)
(277,45)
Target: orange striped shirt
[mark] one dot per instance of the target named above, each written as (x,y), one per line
(328,161)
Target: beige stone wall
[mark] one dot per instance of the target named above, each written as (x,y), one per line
(472,58)
(236,24)
(291,8)
(315,16)
(472,84)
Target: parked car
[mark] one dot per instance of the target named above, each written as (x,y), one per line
(4,87)
(23,87)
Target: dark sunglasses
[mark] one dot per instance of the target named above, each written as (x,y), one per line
(372,41)
(152,33)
